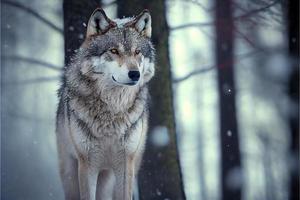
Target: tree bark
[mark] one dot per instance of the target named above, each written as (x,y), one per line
(200,143)
(230,151)
(160,175)
(293,42)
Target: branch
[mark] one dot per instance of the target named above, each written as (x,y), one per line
(238,7)
(33,61)
(32,81)
(203,70)
(35,14)
(255,11)
(197,71)
(240,17)
(248,40)
(195,2)
(175,28)
(26,116)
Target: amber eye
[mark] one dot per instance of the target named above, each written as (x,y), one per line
(114,51)
(137,52)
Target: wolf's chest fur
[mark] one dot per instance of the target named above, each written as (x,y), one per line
(102,131)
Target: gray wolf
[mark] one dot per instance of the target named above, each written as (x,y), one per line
(102,116)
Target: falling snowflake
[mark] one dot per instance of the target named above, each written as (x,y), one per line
(160,136)
(234,179)
(229,133)
(80,36)
(158,192)
(227,89)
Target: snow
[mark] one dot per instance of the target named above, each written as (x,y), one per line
(71,28)
(80,36)
(227,89)
(121,22)
(276,67)
(270,38)
(160,136)
(158,192)
(234,179)
(229,133)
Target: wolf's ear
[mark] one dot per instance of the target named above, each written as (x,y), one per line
(142,23)
(99,23)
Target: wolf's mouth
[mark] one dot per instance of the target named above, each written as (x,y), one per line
(129,83)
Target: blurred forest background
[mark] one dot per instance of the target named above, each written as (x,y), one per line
(224,121)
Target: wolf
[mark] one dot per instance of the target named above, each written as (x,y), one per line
(102,115)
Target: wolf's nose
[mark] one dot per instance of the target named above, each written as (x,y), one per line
(134,75)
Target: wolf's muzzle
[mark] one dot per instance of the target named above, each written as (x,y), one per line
(134,75)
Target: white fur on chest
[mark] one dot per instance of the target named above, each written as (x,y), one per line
(104,151)
(98,132)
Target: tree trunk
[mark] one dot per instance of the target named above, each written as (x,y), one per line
(293,38)
(230,152)
(201,140)
(76,16)
(160,175)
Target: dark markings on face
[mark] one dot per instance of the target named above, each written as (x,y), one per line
(127,37)
(148,51)
(127,41)
(124,35)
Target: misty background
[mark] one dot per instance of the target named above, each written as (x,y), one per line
(33,55)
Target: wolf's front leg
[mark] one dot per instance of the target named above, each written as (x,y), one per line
(124,174)
(87,181)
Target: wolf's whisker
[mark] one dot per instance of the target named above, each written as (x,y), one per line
(87,72)
(98,72)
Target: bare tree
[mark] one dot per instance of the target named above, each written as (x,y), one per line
(293,44)
(33,13)
(160,176)
(230,151)
(200,142)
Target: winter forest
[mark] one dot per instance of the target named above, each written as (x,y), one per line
(224,111)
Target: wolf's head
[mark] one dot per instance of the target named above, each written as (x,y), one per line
(119,51)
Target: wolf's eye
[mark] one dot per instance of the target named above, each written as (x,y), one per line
(114,51)
(137,52)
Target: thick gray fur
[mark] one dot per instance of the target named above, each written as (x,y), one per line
(102,116)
